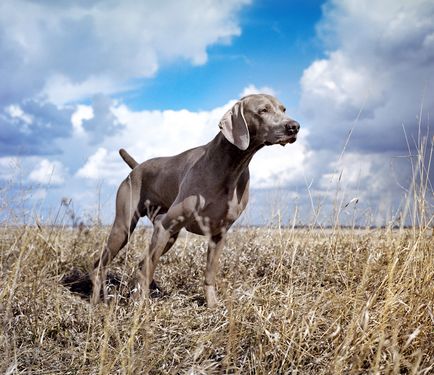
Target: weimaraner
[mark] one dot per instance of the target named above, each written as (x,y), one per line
(204,190)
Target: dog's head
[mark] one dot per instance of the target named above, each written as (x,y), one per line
(258,120)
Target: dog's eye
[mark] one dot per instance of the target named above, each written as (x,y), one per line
(263,110)
(283,109)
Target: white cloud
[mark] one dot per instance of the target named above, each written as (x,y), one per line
(60,89)
(380,65)
(252,89)
(373,80)
(157,133)
(341,85)
(83,112)
(378,71)
(367,175)
(85,48)
(48,173)
(276,166)
(16,112)
(102,165)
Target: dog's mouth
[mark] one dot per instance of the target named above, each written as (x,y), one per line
(289,140)
(283,140)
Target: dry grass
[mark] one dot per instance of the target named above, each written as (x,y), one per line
(292,301)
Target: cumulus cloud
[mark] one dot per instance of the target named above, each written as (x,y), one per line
(69,51)
(379,71)
(280,167)
(57,53)
(366,97)
(102,165)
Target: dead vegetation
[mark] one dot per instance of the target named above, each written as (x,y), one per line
(291,301)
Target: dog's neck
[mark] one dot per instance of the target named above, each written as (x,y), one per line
(224,156)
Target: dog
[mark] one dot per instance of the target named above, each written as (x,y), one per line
(204,190)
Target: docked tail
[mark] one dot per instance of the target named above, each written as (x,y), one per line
(128,158)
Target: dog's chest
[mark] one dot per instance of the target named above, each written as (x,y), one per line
(217,216)
(235,207)
(226,210)
(222,205)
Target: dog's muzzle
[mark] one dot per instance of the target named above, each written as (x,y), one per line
(292,127)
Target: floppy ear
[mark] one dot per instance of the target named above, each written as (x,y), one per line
(234,127)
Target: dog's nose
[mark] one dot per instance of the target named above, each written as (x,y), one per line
(292,126)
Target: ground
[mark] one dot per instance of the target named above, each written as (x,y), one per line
(307,301)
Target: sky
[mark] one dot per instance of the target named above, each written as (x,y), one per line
(80,80)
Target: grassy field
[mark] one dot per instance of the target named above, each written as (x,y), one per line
(291,301)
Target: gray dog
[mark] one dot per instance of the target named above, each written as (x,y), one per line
(203,190)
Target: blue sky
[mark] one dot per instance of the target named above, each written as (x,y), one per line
(277,42)
(82,79)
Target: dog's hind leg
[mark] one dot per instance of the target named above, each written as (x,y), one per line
(127,216)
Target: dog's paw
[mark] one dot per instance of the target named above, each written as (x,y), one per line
(155,291)
(211,297)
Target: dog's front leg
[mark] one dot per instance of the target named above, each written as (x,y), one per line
(215,248)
